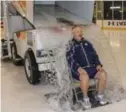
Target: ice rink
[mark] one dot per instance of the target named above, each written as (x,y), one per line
(19,96)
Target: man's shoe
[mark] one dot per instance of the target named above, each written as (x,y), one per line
(101,99)
(86,103)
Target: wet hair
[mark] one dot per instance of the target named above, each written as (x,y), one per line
(75,26)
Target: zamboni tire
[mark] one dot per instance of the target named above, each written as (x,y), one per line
(31,68)
(15,55)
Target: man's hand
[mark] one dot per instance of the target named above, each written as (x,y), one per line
(81,71)
(99,68)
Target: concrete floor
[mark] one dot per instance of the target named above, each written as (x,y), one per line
(117,107)
(117,40)
(17,94)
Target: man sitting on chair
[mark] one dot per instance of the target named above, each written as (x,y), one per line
(84,64)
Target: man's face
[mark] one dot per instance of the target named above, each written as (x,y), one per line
(78,33)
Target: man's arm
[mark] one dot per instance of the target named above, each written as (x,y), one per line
(97,61)
(96,58)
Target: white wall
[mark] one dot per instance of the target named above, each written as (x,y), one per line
(83,9)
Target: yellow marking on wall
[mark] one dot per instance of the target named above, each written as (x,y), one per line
(112,28)
(23,5)
(2,30)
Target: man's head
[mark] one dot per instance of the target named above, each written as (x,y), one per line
(77,32)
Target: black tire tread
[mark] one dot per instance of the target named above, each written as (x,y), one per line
(35,72)
(15,62)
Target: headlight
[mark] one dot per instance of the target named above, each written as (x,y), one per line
(44,53)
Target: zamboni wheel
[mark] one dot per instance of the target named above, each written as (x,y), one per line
(31,68)
(15,58)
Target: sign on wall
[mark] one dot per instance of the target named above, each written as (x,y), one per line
(116,23)
(112,24)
